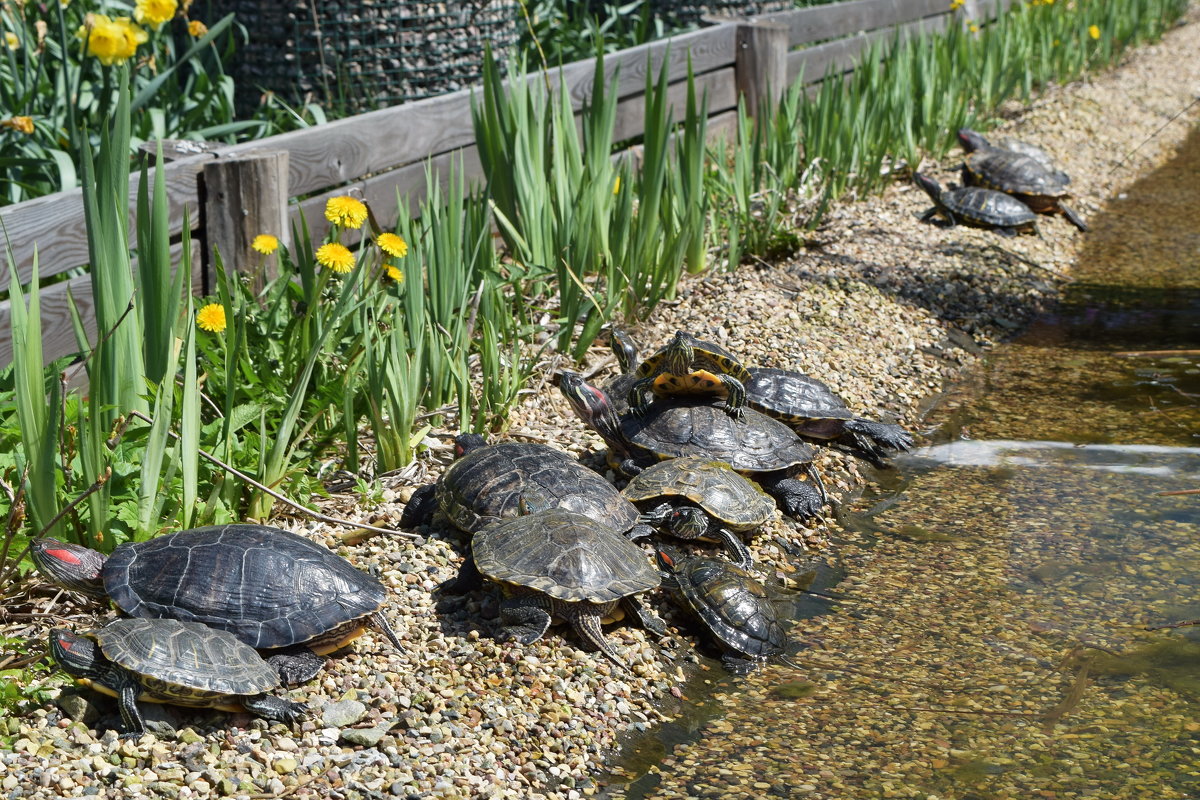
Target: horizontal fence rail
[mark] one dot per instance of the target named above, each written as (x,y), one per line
(384,154)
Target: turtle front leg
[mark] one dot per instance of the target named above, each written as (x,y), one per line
(735,401)
(468,578)
(275,708)
(296,664)
(523,621)
(420,507)
(735,548)
(125,684)
(797,498)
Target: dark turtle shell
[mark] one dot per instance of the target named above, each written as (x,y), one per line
(793,396)
(733,604)
(269,587)
(565,555)
(979,207)
(723,494)
(186,663)
(692,427)
(487,484)
(1023,176)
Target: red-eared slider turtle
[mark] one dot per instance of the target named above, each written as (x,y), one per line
(816,412)
(978,207)
(688,366)
(732,604)
(556,565)
(1044,159)
(755,445)
(169,661)
(272,589)
(626,353)
(697,498)
(1018,175)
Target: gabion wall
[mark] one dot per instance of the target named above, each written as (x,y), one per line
(688,14)
(363,54)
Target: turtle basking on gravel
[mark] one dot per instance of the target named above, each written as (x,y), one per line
(272,589)
(816,412)
(757,446)
(556,565)
(1018,175)
(694,497)
(978,207)
(169,661)
(733,605)
(690,366)
(1017,146)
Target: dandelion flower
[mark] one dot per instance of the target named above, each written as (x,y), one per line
(346,212)
(394,273)
(265,243)
(973,28)
(12,41)
(211,317)
(956,4)
(392,244)
(1094,31)
(154,12)
(196,28)
(20,124)
(336,257)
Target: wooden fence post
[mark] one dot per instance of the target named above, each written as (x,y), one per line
(244,195)
(760,63)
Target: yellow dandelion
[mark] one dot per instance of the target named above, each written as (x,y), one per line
(20,124)
(196,28)
(336,257)
(394,273)
(973,28)
(12,41)
(1094,31)
(154,12)
(392,244)
(346,212)
(265,243)
(211,317)
(956,4)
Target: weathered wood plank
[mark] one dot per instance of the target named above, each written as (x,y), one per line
(842,55)
(54,224)
(840,19)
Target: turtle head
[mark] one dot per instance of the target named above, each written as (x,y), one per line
(687,522)
(78,655)
(591,404)
(678,355)
(625,350)
(668,561)
(931,187)
(466,442)
(70,566)
(971,141)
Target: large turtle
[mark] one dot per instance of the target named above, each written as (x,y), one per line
(978,207)
(488,481)
(170,661)
(694,497)
(816,412)
(732,604)
(755,445)
(687,366)
(1017,146)
(556,565)
(1015,174)
(272,589)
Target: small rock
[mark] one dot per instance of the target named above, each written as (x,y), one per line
(227,787)
(285,766)
(343,713)
(367,737)
(189,736)
(80,706)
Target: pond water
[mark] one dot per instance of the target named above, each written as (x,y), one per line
(990,640)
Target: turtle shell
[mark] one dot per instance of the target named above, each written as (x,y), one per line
(692,427)
(1013,173)
(988,208)
(733,604)
(793,396)
(712,485)
(269,587)
(565,555)
(487,483)
(185,663)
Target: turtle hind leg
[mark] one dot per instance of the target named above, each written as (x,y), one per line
(275,708)
(523,621)
(127,689)
(738,664)
(885,435)
(1073,217)
(296,664)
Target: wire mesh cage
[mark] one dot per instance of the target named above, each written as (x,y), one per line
(356,55)
(688,14)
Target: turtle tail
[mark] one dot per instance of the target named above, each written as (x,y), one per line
(586,623)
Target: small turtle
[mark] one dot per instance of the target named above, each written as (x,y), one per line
(1016,146)
(556,565)
(979,207)
(816,412)
(272,589)
(688,366)
(697,498)
(755,445)
(626,353)
(1018,175)
(169,661)
(732,604)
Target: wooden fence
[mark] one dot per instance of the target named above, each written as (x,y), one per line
(234,192)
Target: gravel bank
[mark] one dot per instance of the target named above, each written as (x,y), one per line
(883,307)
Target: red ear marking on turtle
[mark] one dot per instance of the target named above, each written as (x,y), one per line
(65,644)
(64,555)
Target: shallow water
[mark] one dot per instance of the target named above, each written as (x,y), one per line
(992,641)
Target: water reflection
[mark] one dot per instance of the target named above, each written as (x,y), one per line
(1141,459)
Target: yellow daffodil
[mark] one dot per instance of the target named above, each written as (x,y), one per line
(155,12)
(20,124)
(211,317)
(265,243)
(392,244)
(196,28)
(12,41)
(394,273)
(1094,31)
(336,257)
(956,4)
(346,212)
(113,41)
